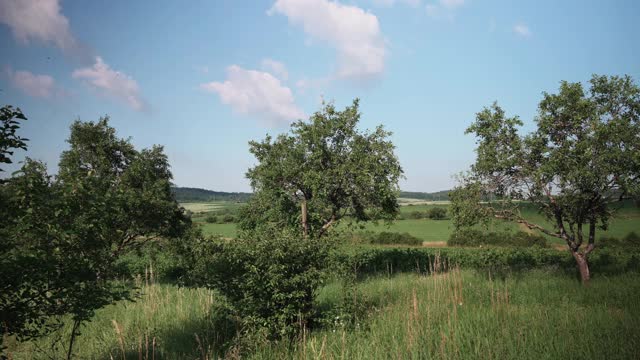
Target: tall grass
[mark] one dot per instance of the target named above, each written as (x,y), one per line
(457,314)
(464,315)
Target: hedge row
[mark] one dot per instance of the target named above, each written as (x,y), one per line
(474,237)
(385,238)
(370,261)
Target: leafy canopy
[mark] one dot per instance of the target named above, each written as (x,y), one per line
(322,171)
(61,235)
(583,157)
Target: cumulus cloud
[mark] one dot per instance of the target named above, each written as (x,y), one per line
(275,67)
(256,93)
(352,31)
(39,20)
(42,86)
(522,30)
(112,83)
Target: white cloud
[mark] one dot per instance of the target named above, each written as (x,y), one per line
(256,93)
(39,20)
(522,30)
(276,67)
(353,32)
(112,83)
(42,86)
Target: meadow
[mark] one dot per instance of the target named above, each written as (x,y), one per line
(626,220)
(458,314)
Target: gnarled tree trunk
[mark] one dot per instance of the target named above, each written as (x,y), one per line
(583,266)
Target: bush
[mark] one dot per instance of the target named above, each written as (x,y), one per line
(371,261)
(211,219)
(437,213)
(269,277)
(474,238)
(630,241)
(417,215)
(391,238)
(228,218)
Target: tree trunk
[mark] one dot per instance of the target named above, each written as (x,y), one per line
(305,225)
(583,266)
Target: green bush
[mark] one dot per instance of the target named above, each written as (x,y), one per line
(228,218)
(211,219)
(630,241)
(270,277)
(437,213)
(417,215)
(475,238)
(393,238)
(152,260)
(371,261)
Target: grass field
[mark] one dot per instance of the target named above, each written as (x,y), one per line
(455,315)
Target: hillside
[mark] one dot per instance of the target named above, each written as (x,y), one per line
(187,194)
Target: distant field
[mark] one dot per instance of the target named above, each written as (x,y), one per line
(409,201)
(626,221)
(202,207)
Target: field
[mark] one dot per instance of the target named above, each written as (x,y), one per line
(627,220)
(460,314)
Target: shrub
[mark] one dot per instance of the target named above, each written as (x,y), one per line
(630,241)
(211,219)
(417,215)
(391,238)
(228,218)
(269,277)
(437,213)
(371,261)
(475,237)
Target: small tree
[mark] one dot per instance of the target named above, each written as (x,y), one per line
(323,171)
(64,234)
(583,157)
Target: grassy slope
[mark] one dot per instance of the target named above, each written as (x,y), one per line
(459,315)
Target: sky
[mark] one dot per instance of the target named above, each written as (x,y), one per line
(203,78)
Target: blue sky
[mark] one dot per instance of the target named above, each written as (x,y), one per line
(203,78)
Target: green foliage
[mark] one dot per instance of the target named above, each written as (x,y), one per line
(437,213)
(211,219)
(322,171)
(228,218)
(475,237)
(386,238)
(9,124)
(62,236)
(581,158)
(270,277)
(630,242)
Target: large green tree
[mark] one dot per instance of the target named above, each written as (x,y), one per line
(321,172)
(64,233)
(583,157)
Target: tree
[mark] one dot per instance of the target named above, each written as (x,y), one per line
(583,157)
(65,233)
(9,124)
(321,172)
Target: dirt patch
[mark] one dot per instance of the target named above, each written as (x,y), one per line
(434,244)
